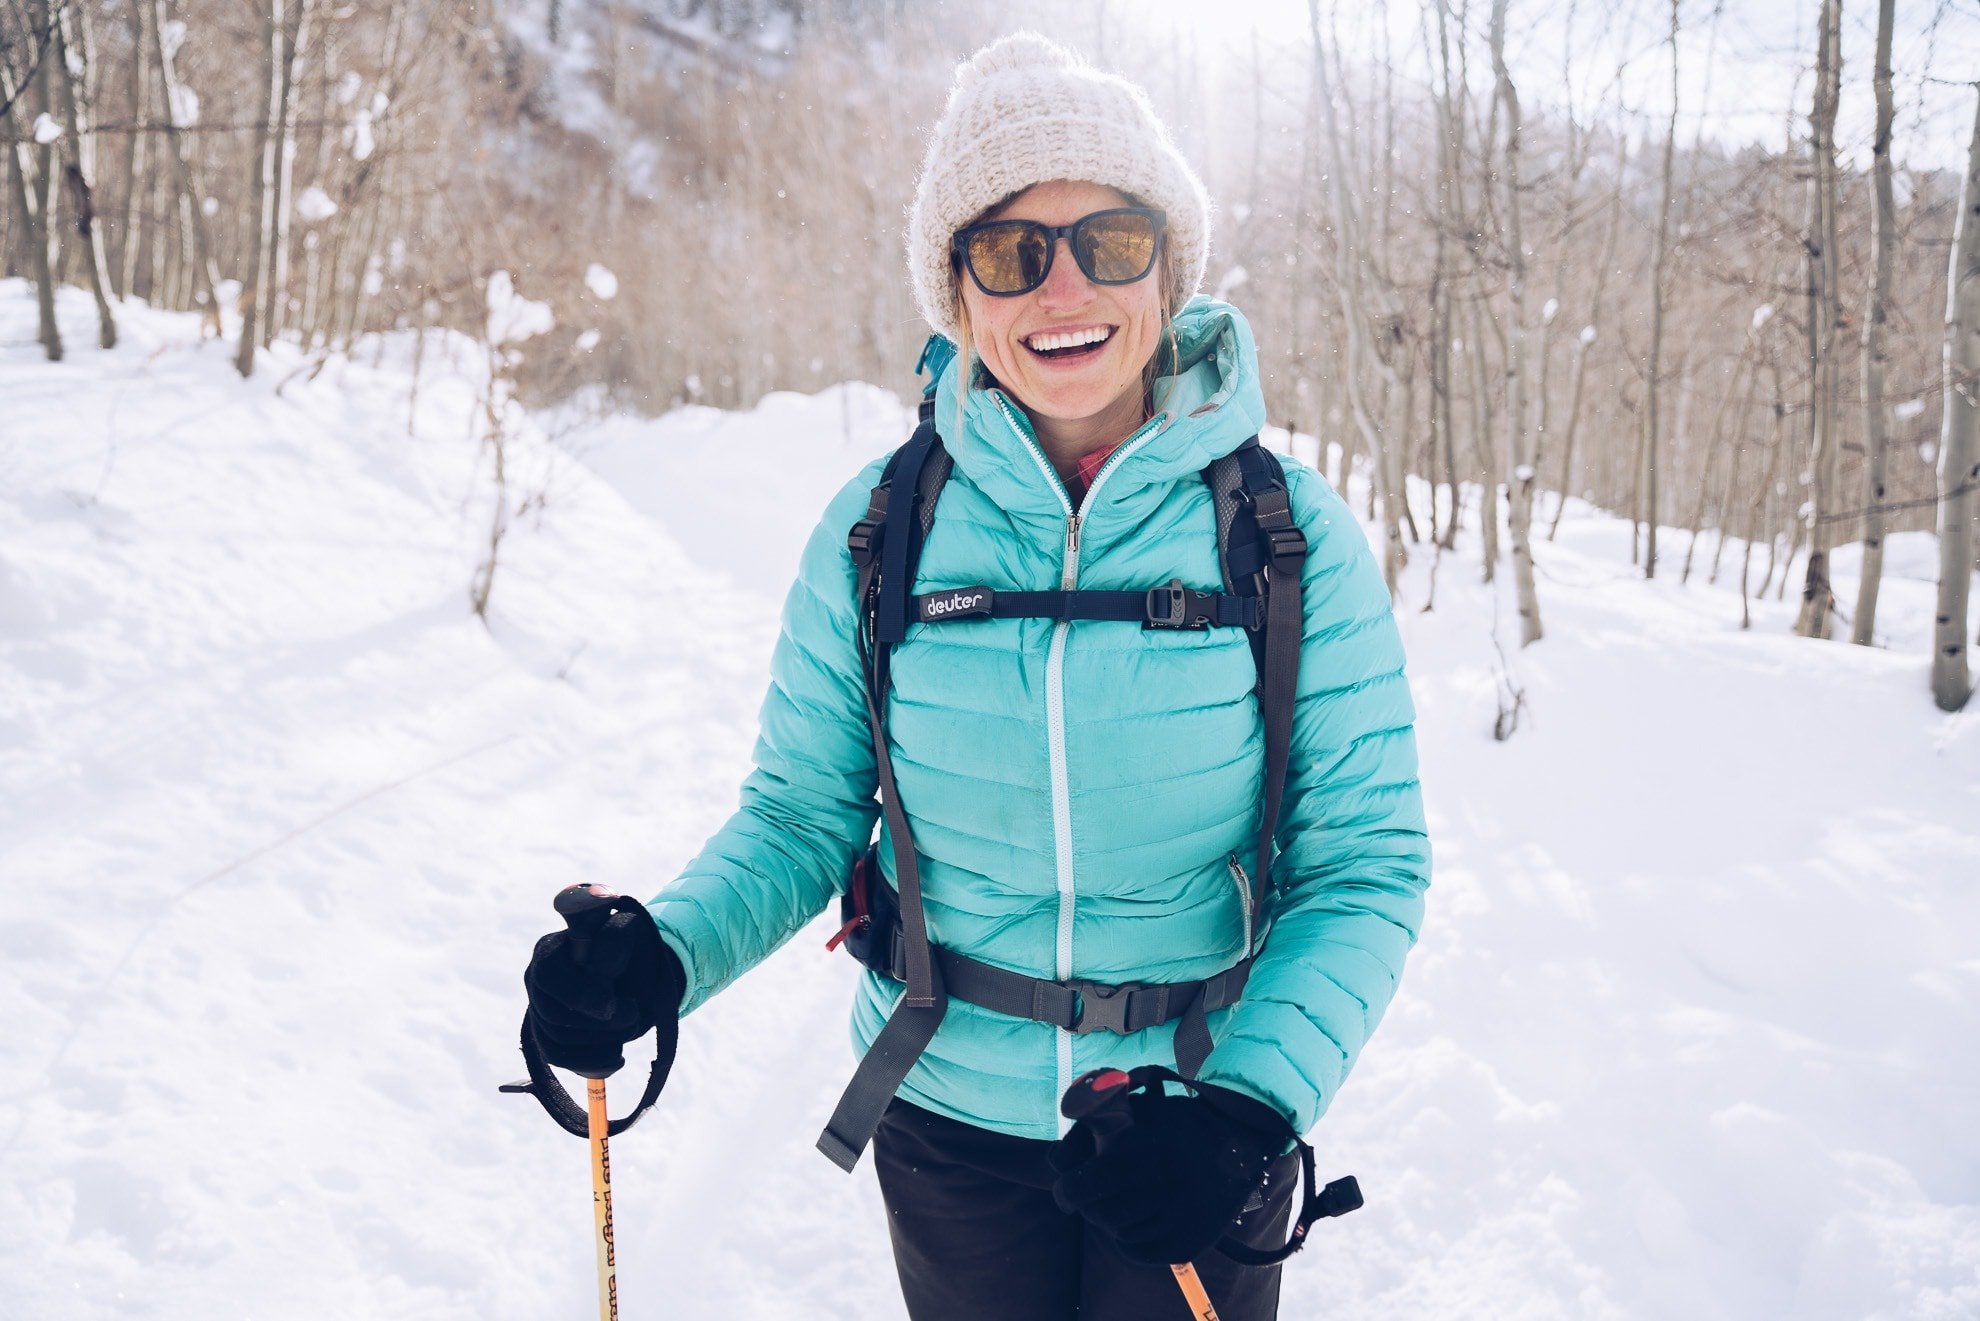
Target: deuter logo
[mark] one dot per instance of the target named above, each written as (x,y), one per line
(964,601)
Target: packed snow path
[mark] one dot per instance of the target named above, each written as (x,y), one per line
(1689,1033)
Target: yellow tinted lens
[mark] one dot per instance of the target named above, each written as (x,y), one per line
(1008,259)
(1116,249)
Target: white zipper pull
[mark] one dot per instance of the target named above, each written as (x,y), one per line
(1070,573)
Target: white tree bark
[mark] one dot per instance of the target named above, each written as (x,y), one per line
(1659,259)
(1959,443)
(1519,458)
(260,217)
(1355,294)
(1817,595)
(191,196)
(30,180)
(1883,239)
(70,65)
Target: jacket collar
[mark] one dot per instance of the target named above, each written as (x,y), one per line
(1208,407)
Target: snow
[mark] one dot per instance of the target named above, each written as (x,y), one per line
(358,137)
(1906,409)
(1688,1034)
(603,284)
(511,317)
(1550,311)
(46,130)
(313,205)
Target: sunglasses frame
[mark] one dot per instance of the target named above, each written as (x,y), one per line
(959,246)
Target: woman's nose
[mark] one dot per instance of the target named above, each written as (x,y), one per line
(1065,284)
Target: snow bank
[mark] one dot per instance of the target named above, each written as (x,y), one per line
(1689,1033)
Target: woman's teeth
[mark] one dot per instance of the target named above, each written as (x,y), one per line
(1068,343)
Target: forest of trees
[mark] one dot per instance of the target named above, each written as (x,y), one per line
(1503,289)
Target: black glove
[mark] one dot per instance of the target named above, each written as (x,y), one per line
(584,1009)
(1164,1176)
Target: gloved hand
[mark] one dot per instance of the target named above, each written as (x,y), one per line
(1164,1176)
(584,1007)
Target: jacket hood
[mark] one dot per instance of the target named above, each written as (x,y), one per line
(1208,405)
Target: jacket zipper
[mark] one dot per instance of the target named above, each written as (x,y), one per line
(1055,702)
(1244,899)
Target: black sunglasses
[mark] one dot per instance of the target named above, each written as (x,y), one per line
(1011,257)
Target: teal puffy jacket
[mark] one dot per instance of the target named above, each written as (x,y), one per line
(1085,796)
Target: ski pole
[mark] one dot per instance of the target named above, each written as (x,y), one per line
(1092,1099)
(585,909)
(601,1202)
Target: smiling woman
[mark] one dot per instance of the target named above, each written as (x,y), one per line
(1127,823)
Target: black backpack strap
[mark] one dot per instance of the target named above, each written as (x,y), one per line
(899,514)
(1261,554)
(1282,547)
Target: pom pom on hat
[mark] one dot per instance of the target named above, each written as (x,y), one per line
(1025,110)
(1008,54)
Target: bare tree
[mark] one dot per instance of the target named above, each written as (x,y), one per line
(192,199)
(1883,238)
(1660,257)
(70,62)
(1519,468)
(1355,293)
(1959,443)
(295,38)
(260,215)
(29,176)
(1817,595)
(135,174)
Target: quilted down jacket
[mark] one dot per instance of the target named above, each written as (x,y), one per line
(1085,795)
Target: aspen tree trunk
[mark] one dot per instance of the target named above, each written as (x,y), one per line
(1883,237)
(1348,264)
(192,214)
(136,179)
(1823,385)
(1710,465)
(1518,459)
(1959,443)
(1481,420)
(1586,340)
(1450,195)
(31,201)
(260,218)
(1660,256)
(275,307)
(1723,515)
(70,59)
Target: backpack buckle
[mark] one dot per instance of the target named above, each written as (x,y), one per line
(1105,1008)
(861,541)
(1176,606)
(1285,548)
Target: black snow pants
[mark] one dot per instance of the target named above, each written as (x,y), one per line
(977,1236)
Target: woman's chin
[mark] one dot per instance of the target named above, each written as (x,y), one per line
(1071,401)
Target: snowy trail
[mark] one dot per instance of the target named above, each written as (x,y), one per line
(1689,1033)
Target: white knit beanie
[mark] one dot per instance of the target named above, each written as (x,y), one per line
(1023,111)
